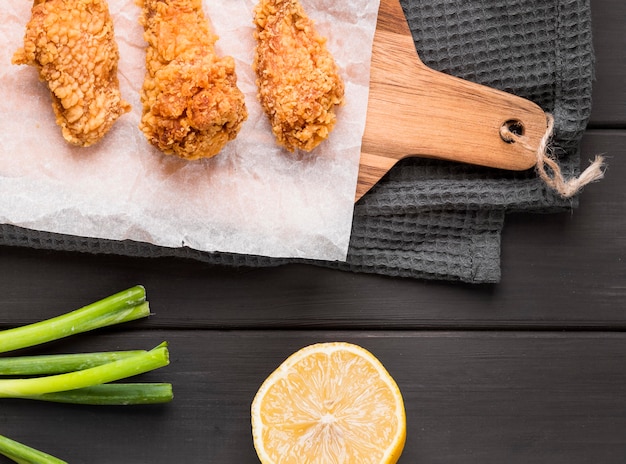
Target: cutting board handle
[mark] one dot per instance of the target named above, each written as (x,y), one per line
(416,111)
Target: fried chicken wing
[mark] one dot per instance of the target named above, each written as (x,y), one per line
(191,103)
(298,80)
(71,43)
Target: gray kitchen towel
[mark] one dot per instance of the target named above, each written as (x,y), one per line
(434,219)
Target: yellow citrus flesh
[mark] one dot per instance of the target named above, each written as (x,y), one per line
(329,403)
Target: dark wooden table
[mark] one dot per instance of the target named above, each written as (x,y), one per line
(530,370)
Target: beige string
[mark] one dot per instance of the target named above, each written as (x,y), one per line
(555,180)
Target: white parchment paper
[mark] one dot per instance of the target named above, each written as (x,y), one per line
(253,198)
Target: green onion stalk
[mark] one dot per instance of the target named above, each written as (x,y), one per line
(104,373)
(124,306)
(23,454)
(59,363)
(113,394)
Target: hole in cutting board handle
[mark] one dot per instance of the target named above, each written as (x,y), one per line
(511,130)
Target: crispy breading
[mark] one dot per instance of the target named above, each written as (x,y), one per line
(71,43)
(191,103)
(298,79)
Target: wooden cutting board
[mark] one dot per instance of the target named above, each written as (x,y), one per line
(416,111)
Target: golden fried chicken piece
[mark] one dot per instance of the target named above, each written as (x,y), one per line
(71,43)
(191,103)
(298,80)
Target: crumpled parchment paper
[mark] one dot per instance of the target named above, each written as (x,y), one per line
(253,198)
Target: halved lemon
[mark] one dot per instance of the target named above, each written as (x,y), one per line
(329,403)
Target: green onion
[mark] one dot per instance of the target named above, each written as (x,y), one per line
(109,372)
(111,394)
(124,306)
(59,363)
(81,378)
(23,454)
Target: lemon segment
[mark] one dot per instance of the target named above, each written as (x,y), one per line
(329,403)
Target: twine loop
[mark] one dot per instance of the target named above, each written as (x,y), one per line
(547,166)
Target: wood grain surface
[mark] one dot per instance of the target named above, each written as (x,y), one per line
(471,397)
(529,370)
